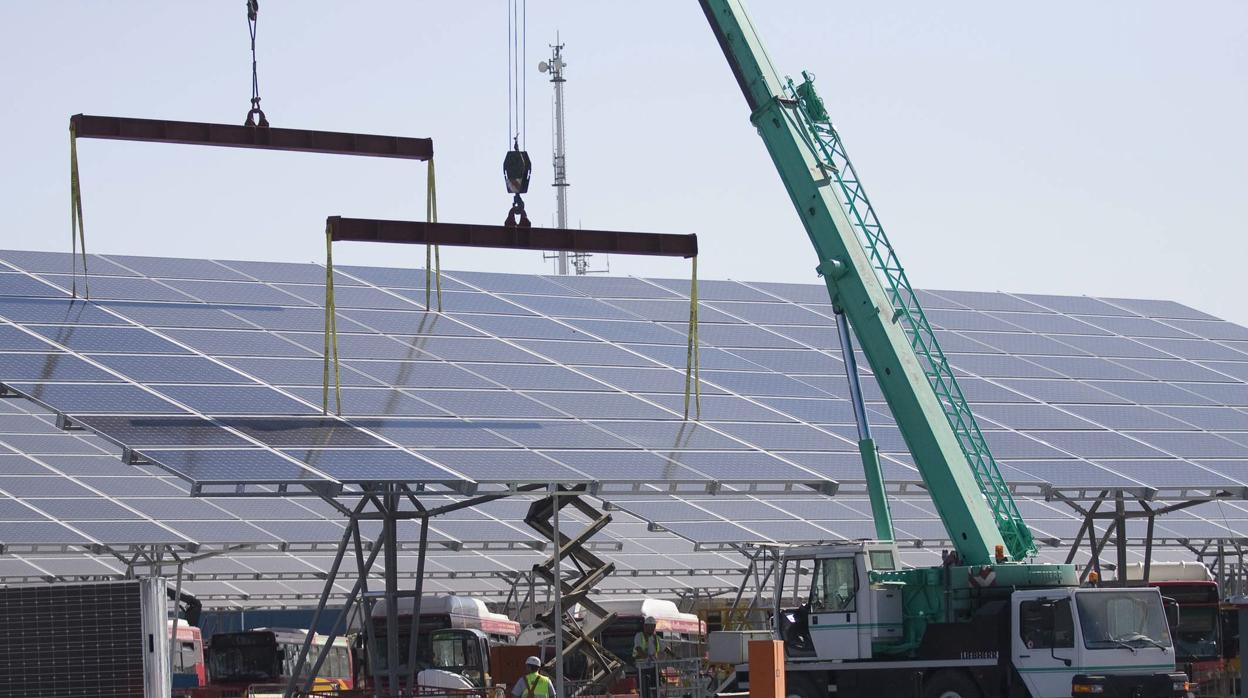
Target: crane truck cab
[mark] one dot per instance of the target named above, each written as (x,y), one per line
(868,627)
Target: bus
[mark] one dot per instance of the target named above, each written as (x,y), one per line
(1192,610)
(189,672)
(455,634)
(237,661)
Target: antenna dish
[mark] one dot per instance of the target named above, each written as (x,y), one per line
(543,67)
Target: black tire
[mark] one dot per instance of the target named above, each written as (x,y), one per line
(950,684)
(797,685)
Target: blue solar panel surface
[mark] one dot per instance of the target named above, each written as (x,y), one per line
(211,370)
(539,364)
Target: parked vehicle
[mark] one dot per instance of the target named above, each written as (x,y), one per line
(1192,611)
(189,669)
(456,641)
(237,661)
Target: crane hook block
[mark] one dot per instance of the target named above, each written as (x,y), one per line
(516,170)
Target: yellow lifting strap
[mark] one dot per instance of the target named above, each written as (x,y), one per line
(692,371)
(433,279)
(76,232)
(433,257)
(331,333)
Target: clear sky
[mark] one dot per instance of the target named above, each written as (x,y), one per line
(1062,147)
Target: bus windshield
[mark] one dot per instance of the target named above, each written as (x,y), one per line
(1130,619)
(242,661)
(1196,634)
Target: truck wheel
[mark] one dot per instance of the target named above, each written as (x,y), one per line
(798,686)
(950,684)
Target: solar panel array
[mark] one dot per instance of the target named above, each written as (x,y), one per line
(69,502)
(212,371)
(580,379)
(71,509)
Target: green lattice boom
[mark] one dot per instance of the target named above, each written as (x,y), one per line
(826,142)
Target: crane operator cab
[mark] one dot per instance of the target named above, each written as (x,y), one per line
(844,614)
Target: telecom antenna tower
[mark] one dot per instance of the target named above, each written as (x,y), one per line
(578,262)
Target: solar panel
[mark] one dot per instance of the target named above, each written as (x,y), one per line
(1126,417)
(980,300)
(1050,323)
(771,313)
(1080,305)
(676,356)
(121,288)
(630,331)
(667,310)
(1159,308)
(374,402)
(713,290)
(1195,349)
(50,367)
(1212,329)
(61,262)
(97,398)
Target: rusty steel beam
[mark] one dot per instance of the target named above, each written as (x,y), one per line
(120,128)
(556,239)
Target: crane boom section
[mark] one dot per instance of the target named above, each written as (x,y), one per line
(853,285)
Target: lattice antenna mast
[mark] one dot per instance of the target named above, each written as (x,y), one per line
(574,262)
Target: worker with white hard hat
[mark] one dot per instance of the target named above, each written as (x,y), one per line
(646,643)
(533,684)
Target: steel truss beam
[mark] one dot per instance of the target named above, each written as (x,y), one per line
(467,235)
(120,128)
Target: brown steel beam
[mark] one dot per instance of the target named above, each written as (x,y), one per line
(467,235)
(120,128)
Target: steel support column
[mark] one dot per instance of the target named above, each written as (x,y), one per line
(348,606)
(1120,522)
(417,596)
(390,594)
(177,599)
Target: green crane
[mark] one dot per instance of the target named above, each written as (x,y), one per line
(988,621)
(869,288)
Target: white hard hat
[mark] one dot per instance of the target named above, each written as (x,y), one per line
(532,661)
(651,621)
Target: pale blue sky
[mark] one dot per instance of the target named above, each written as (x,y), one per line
(1061,147)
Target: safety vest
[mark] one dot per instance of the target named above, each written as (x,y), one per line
(536,685)
(649,646)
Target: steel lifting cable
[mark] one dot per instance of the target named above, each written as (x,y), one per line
(77,234)
(433,257)
(253,15)
(517,76)
(693,379)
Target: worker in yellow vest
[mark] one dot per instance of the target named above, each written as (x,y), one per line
(646,644)
(533,684)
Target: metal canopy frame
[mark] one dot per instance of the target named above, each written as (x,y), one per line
(1117,529)
(388,504)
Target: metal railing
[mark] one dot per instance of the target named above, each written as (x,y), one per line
(673,678)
